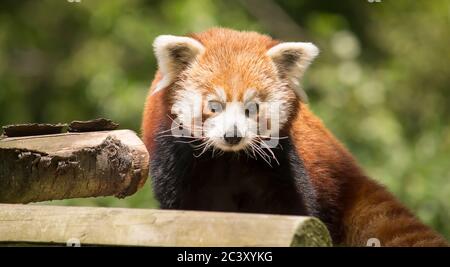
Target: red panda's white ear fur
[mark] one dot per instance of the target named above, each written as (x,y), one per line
(174,53)
(292,59)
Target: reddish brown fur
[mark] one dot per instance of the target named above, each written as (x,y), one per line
(364,208)
(231,67)
(357,207)
(155,112)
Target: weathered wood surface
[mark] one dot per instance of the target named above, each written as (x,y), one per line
(100,124)
(71,165)
(46,225)
(30,129)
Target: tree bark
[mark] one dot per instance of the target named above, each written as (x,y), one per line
(71,165)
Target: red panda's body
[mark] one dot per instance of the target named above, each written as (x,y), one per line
(354,207)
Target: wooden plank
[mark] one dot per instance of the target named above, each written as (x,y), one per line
(71,165)
(141,227)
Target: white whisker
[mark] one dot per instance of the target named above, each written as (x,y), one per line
(271,137)
(208,144)
(179,136)
(260,152)
(186,142)
(268,148)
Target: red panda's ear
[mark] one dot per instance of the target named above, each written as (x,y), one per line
(174,54)
(292,59)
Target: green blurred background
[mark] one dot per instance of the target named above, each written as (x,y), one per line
(381,83)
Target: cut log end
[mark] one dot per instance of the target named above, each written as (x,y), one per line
(311,233)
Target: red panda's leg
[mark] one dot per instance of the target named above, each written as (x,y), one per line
(291,165)
(170,168)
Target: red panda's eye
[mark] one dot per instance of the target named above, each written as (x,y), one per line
(251,109)
(215,106)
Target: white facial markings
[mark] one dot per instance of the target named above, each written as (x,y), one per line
(234,117)
(231,122)
(220,92)
(234,126)
(278,103)
(188,111)
(249,95)
(269,123)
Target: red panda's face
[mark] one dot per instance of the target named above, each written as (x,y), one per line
(233,94)
(235,102)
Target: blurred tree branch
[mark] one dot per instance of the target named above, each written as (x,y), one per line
(274,19)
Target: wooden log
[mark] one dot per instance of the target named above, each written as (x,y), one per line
(100,124)
(30,129)
(71,165)
(44,225)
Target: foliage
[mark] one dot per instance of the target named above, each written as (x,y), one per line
(380,83)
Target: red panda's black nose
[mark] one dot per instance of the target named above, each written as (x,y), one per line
(233,137)
(232,140)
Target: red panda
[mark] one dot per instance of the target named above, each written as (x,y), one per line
(224,77)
